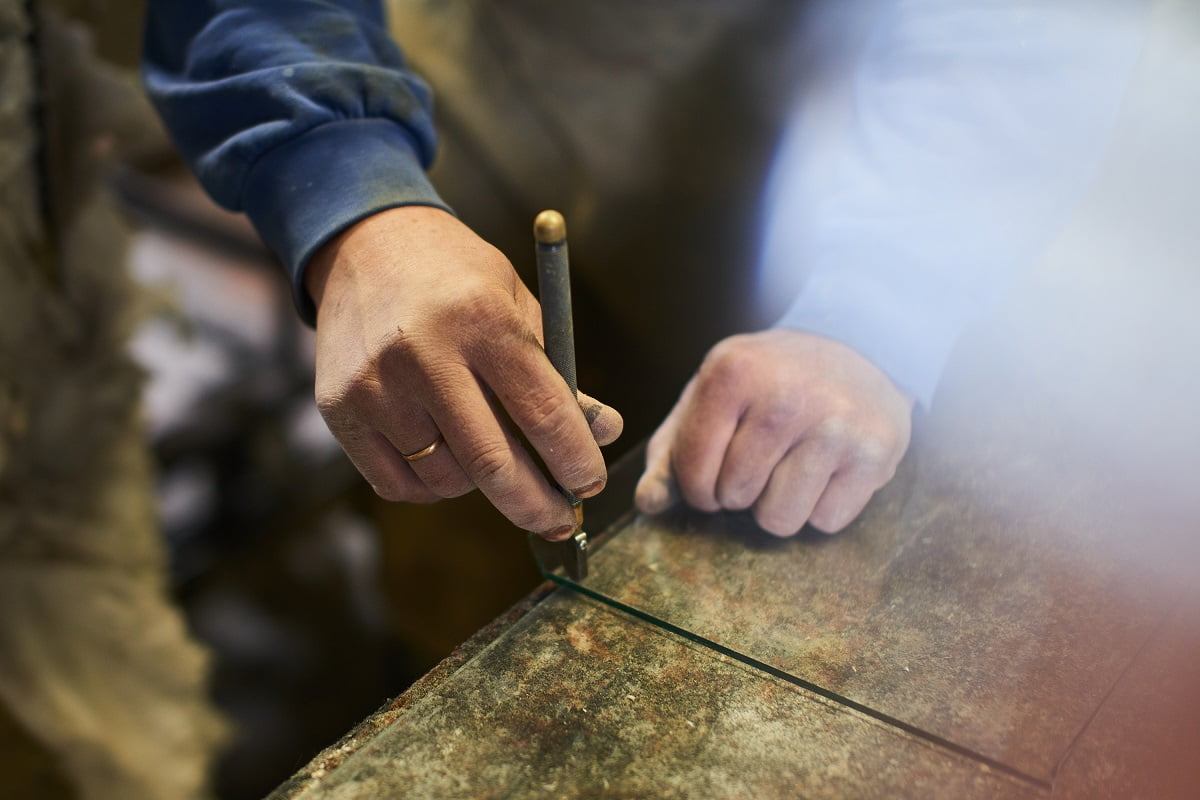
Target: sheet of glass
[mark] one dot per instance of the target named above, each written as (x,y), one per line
(989,599)
(997,627)
(985,641)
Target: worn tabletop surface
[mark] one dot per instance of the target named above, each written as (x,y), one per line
(1015,615)
(573,698)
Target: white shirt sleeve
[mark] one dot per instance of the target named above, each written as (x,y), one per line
(969,132)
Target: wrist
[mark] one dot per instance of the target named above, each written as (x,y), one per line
(351,246)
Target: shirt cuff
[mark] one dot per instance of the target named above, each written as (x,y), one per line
(306,191)
(906,333)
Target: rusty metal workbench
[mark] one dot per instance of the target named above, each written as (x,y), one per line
(569,697)
(970,694)
(1012,617)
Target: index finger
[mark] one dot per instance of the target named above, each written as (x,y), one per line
(709,412)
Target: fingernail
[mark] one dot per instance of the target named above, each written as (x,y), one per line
(589,490)
(558,534)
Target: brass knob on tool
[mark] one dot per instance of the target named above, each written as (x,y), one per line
(549,227)
(554,293)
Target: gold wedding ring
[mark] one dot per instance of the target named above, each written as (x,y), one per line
(424,451)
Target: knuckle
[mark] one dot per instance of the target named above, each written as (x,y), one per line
(330,409)
(833,436)
(330,402)
(479,307)
(546,415)
(395,351)
(778,416)
(491,464)
(491,327)
(492,467)
(873,452)
(338,404)
(548,420)
(398,342)
(473,313)
(878,451)
(725,362)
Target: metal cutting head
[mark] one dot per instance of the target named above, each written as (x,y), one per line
(570,554)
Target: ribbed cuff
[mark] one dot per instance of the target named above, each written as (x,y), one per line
(301,194)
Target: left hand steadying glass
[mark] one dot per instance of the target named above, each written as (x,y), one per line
(796,427)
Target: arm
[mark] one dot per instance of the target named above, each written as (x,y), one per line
(972,131)
(302,114)
(299,113)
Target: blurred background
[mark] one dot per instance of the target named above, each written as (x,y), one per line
(319,601)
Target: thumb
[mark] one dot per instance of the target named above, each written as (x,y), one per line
(605,421)
(656,490)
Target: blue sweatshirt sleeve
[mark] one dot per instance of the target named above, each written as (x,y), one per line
(300,113)
(971,131)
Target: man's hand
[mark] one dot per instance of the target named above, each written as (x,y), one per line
(797,427)
(423,330)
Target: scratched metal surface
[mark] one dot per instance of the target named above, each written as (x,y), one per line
(579,700)
(1040,530)
(993,628)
